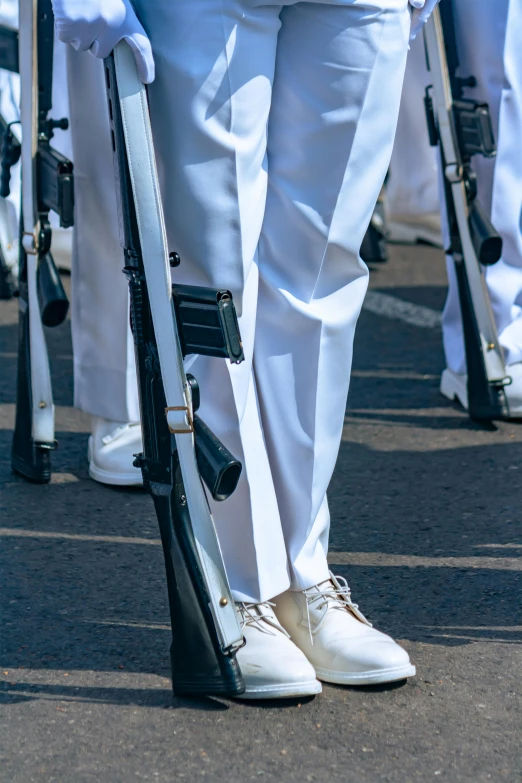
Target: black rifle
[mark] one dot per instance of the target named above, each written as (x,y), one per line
(53,190)
(462,131)
(54,171)
(206,324)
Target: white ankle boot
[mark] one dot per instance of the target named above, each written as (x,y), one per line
(337,639)
(272,666)
(410,229)
(111,451)
(454,386)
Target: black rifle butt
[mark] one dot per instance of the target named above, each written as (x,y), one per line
(199,666)
(486,401)
(219,469)
(486,240)
(54,304)
(29,459)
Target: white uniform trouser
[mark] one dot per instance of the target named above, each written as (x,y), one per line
(489,36)
(104,368)
(412,187)
(273,125)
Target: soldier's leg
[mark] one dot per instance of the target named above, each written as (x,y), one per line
(104,368)
(335,103)
(339,72)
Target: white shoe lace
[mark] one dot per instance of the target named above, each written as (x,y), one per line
(254,614)
(335,594)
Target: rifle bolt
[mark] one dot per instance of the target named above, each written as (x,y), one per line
(223,601)
(42,404)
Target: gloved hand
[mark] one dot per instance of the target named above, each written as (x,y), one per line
(98,25)
(421,13)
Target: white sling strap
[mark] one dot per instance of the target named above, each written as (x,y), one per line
(491,348)
(41,389)
(149,214)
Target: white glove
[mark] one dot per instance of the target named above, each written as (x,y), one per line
(98,25)
(421,13)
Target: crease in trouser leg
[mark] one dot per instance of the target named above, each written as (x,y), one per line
(248,523)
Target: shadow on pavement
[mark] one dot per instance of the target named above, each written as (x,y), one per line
(439,487)
(129,697)
(100,604)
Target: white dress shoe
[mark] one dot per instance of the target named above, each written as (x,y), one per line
(111,451)
(454,386)
(336,637)
(272,666)
(411,229)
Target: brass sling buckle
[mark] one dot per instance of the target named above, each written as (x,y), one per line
(189,417)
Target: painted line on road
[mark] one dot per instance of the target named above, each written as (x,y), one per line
(18,533)
(498,546)
(401,310)
(335,558)
(376,559)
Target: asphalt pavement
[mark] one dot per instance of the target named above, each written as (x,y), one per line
(426,526)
